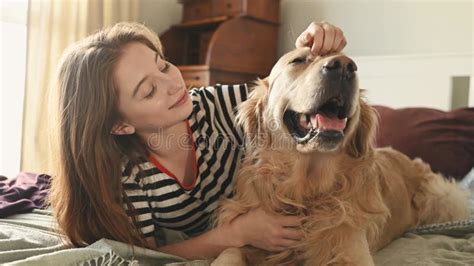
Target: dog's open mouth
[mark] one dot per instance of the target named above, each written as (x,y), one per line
(328,121)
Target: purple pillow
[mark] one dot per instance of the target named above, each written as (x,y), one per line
(445,140)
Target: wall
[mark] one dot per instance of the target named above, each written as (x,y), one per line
(437,81)
(160,14)
(13,17)
(434,37)
(386,27)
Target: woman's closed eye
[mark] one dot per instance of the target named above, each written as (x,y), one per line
(151,92)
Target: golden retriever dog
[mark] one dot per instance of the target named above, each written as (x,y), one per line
(310,152)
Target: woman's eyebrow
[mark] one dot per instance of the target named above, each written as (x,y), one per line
(142,80)
(138,85)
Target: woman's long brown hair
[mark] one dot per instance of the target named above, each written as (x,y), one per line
(87,197)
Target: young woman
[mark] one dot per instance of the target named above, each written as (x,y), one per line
(137,151)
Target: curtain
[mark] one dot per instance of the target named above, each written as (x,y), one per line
(52,26)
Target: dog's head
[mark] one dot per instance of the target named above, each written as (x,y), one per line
(311,104)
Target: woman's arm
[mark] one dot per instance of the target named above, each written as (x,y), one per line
(256,228)
(205,246)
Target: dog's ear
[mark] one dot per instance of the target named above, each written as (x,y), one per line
(362,141)
(250,112)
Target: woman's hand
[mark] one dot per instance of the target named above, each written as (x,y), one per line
(267,231)
(323,38)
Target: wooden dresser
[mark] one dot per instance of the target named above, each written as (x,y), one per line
(224,41)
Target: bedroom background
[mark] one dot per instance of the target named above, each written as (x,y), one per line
(409,53)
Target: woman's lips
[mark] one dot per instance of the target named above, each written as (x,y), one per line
(181,100)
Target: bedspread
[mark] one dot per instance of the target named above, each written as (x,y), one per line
(30,239)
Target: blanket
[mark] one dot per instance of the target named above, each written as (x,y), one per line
(30,239)
(22,194)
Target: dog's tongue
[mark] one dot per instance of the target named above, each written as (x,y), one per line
(327,123)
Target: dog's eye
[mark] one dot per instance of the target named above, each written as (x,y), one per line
(299,60)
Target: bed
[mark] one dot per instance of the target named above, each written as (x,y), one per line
(29,239)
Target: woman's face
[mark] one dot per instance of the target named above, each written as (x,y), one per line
(152,92)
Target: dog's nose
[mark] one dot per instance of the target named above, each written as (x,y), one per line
(342,65)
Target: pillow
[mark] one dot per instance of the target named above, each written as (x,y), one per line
(445,140)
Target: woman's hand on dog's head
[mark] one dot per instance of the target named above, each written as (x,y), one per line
(270,232)
(323,38)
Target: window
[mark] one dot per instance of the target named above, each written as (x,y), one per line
(12,76)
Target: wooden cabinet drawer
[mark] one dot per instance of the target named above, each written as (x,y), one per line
(195,76)
(197,10)
(200,10)
(227,7)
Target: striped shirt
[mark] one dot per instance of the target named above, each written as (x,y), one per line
(160,200)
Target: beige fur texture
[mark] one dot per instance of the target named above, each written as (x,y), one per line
(356,198)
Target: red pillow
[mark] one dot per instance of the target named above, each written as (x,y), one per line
(445,140)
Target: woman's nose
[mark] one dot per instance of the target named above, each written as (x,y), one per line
(172,84)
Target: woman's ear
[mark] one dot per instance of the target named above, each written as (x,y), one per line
(122,128)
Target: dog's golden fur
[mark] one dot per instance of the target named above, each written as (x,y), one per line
(356,198)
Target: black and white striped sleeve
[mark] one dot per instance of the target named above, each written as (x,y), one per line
(142,211)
